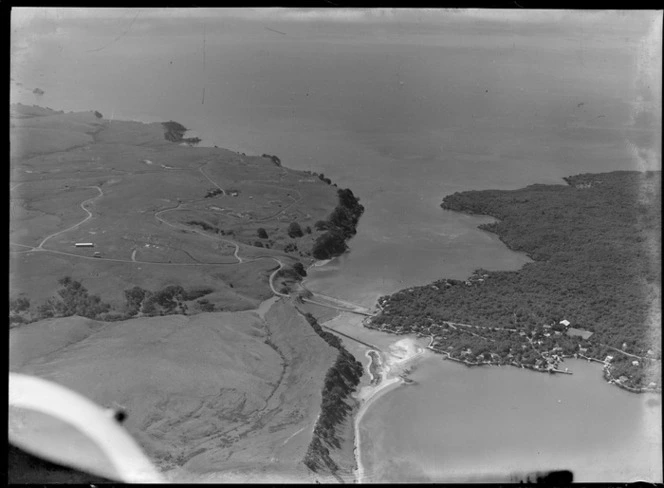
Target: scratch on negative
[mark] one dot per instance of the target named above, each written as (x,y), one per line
(117,38)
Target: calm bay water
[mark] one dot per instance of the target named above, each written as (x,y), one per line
(457,424)
(403,113)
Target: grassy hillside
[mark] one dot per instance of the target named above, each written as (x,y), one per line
(159,212)
(178,237)
(214,392)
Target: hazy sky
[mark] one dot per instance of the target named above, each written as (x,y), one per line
(49,21)
(606,47)
(96,27)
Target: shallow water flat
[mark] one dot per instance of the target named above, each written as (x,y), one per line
(457,423)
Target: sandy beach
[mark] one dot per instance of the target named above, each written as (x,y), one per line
(320,262)
(392,363)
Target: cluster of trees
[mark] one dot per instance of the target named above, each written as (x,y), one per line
(341,381)
(274,159)
(205,305)
(294,230)
(73,299)
(168,300)
(592,262)
(134,300)
(213,193)
(329,244)
(19,309)
(19,305)
(299,269)
(507,346)
(323,178)
(290,247)
(174,132)
(339,227)
(262,234)
(164,302)
(638,376)
(318,456)
(292,274)
(203,225)
(210,228)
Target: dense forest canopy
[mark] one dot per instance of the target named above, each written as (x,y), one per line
(340,225)
(596,246)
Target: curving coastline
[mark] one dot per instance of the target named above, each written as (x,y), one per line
(589,291)
(390,370)
(342,374)
(341,382)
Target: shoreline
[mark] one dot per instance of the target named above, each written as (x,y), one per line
(390,372)
(392,364)
(372,396)
(319,262)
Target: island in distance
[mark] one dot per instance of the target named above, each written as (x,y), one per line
(141,268)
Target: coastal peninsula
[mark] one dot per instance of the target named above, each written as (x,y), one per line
(154,275)
(206,227)
(591,292)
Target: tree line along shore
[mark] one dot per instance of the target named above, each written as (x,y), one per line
(72,298)
(591,292)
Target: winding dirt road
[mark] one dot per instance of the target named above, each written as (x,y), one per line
(271,280)
(158,216)
(210,179)
(82,205)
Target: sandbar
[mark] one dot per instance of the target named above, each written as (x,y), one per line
(392,363)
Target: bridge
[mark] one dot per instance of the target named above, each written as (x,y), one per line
(334,303)
(324,303)
(351,337)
